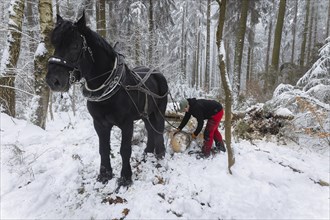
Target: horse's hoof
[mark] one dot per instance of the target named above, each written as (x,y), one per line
(104,176)
(160,156)
(122,181)
(148,150)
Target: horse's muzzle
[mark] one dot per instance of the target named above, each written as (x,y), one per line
(56,85)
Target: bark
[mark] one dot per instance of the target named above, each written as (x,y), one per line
(198,59)
(208,39)
(303,44)
(129,29)
(228,55)
(269,40)
(31,23)
(183,42)
(100,18)
(240,35)
(151,32)
(248,68)
(328,21)
(185,53)
(315,24)
(201,46)
(138,61)
(294,30)
(278,35)
(9,63)
(88,8)
(226,85)
(111,22)
(310,34)
(40,62)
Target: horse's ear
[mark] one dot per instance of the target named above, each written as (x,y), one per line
(81,23)
(59,19)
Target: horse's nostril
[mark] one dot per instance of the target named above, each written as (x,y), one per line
(56,83)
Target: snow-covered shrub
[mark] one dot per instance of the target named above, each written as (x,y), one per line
(309,103)
(319,72)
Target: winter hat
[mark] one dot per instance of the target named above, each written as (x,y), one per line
(183,104)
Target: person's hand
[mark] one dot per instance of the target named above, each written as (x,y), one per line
(193,135)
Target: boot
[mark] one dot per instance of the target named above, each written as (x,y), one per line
(220,146)
(205,153)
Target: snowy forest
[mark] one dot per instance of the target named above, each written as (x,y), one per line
(266,61)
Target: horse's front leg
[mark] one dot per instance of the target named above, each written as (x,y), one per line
(103,133)
(125,152)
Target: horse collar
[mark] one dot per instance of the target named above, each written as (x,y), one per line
(110,86)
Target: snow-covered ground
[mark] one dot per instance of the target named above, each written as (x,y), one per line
(51,174)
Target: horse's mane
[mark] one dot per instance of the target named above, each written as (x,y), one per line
(64,34)
(99,41)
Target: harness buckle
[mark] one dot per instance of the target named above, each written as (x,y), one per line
(73,77)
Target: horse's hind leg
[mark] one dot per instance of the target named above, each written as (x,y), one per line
(150,141)
(159,136)
(104,150)
(155,127)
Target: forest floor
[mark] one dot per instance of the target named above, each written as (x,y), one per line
(51,174)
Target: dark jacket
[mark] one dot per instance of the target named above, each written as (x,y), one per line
(201,109)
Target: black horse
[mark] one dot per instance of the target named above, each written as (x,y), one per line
(115,94)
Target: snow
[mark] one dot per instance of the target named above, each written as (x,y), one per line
(51,174)
(4,61)
(283,112)
(41,50)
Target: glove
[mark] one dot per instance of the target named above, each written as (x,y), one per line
(193,135)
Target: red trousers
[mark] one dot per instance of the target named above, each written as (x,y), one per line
(211,131)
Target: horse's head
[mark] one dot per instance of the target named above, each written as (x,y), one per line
(70,48)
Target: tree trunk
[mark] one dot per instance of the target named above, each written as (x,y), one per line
(183,42)
(310,34)
(269,41)
(31,23)
(151,33)
(138,61)
(100,18)
(328,21)
(194,77)
(9,62)
(208,41)
(248,68)
(226,86)
(316,22)
(240,35)
(228,55)
(40,61)
(303,44)
(198,59)
(185,45)
(201,50)
(112,24)
(89,10)
(278,35)
(294,30)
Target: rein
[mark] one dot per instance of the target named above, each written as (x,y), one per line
(142,87)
